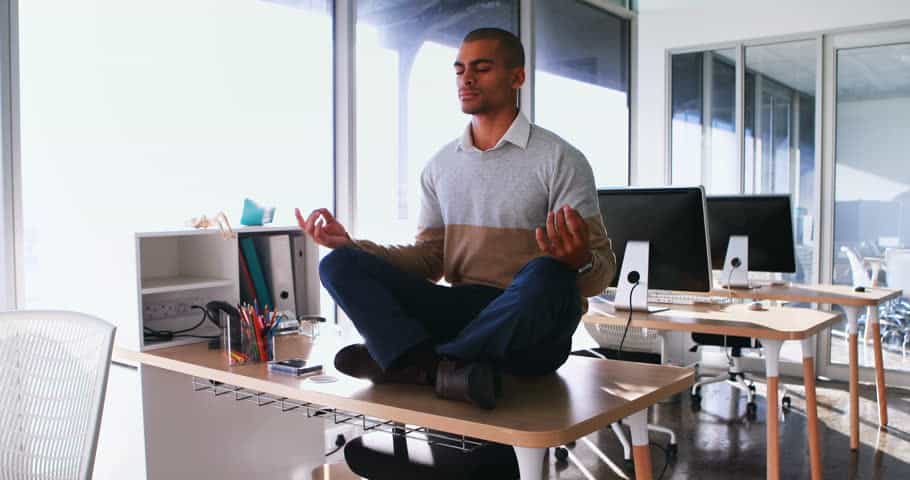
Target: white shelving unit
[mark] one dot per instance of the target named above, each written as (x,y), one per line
(181,268)
(176,269)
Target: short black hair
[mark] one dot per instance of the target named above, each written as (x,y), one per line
(509,44)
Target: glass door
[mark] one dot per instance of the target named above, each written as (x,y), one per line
(867,96)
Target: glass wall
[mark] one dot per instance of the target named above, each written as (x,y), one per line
(872,185)
(779,131)
(407,104)
(703,128)
(130,126)
(581,83)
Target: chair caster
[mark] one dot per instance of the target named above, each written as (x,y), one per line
(751,410)
(696,403)
(562,455)
(785,404)
(672,450)
(570,444)
(752,388)
(695,392)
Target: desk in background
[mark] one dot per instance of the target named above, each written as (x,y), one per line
(852,302)
(772,326)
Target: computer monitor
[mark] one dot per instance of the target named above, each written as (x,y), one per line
(766,220)
(672,220)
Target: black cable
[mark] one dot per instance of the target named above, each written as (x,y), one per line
(152,334)
(335,450)
(628,322)
(666,460)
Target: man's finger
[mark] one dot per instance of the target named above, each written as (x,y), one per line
(300,220)
(561,226)
(541,240)
(576,225)
(552,235)
(327,215)
(311,221)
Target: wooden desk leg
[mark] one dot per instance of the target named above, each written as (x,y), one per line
(852,314)
(641,453)
(880,387)
(772,372)
(815,457)
(530,462)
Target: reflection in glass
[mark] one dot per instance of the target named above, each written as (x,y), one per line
(872,184)
(703,128)
(779,135)
(582,83)
(407,104)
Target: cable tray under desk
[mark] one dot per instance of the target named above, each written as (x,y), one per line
(457,442)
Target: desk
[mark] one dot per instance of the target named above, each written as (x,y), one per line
(583,396)
(772,327)
(852,303)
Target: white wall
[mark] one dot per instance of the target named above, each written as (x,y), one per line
(667,24)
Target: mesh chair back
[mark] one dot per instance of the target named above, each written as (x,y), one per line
(637,339)
(53,374)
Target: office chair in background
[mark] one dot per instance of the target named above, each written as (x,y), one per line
(53,374)
(735,376)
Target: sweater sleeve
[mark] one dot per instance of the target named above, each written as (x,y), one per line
(425,257)
(572,183)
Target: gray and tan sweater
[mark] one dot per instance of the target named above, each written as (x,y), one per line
(479,209)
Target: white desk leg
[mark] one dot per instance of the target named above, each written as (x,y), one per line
(815,458)
(852,314)
(530,462)
(641,452)
(880,387)
(772,372)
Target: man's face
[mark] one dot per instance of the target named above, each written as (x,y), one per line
(485,83)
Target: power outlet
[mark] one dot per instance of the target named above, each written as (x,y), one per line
(159,309)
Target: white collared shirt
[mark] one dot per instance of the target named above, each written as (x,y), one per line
(517,134)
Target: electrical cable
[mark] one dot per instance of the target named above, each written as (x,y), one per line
(165,335)
(666,459)
(628,322)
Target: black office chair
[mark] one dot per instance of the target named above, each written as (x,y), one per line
(396,456)
(734,375)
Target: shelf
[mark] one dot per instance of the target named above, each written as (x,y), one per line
(180,284)
(154,345)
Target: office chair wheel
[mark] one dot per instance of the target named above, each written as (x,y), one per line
(696,403)
(751,410)
(672,450)
(752,387)
(562,455)
(785,404)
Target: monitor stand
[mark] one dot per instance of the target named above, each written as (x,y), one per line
(736,264)
(634,265)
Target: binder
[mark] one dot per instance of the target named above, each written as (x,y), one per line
(248,246)
(247,290)
(276,256)
(306,275)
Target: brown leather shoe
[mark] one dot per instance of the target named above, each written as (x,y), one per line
(473,383)
(355,360)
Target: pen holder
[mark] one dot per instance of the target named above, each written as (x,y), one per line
(247,344)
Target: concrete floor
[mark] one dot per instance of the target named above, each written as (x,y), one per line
(720,443)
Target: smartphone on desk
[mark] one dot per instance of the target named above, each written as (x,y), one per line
(294,366)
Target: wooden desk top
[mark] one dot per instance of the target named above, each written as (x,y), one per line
(583,396)
(775,323)
(824,294)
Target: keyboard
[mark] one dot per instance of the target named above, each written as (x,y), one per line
(675,298)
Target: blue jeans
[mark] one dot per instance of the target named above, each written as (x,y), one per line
(525,329)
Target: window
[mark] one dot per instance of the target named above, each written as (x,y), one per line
(778,149)
(581,83)
(703,142)
(407,104)
(126,127)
